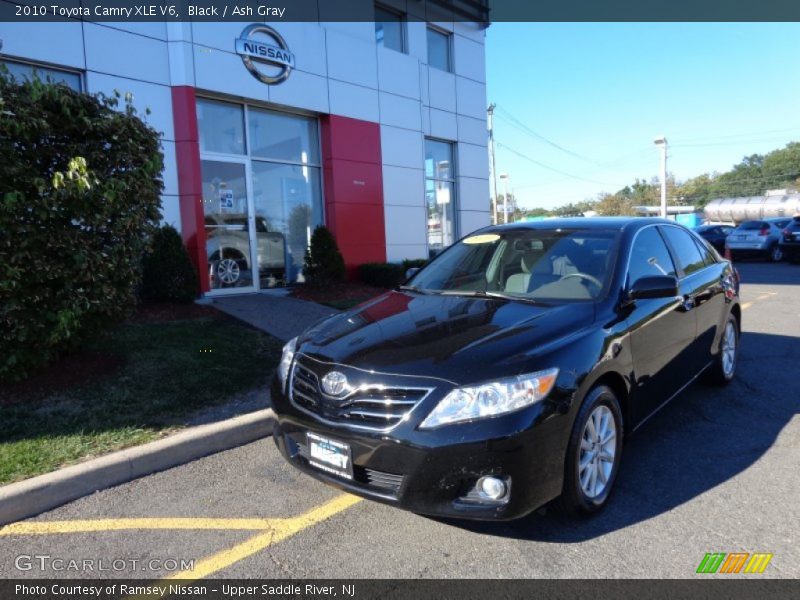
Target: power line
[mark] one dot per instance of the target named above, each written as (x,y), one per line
(549,168)
(509,117)
(733,143)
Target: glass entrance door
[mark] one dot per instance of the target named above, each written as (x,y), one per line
(226,210)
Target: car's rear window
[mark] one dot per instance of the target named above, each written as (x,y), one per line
(750,225)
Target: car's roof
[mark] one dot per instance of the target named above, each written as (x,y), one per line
(619,223)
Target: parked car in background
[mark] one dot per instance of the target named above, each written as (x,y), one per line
(228,247)
(758,238)
(506,372)
(790,240)
(715,235)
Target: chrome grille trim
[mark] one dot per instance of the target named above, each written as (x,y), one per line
(370,407)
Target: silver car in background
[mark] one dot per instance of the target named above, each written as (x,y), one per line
(757,238)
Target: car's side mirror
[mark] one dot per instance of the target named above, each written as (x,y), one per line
(655,286)
(411,272)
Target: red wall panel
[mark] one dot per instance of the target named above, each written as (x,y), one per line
(187,154)
(352,175)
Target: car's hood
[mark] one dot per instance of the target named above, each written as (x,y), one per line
(460,339)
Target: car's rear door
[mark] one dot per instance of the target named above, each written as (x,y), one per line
(662,330)
(702,289)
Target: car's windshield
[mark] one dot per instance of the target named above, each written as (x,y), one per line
(533,264)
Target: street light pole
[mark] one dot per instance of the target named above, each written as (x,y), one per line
(662,141)
(490,121)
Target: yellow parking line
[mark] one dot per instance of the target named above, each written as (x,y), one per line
(746,305)
(280,530)
(55,527)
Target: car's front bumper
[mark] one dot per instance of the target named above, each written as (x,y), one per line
(436,479)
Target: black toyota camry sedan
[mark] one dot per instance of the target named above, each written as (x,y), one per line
(506,373)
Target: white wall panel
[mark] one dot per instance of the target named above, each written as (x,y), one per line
(471,98)
(158,98)
(401,147)
(443,125)
(471,220)
(301,90)
(405,224)
(398,73)
(157,30)
(171,211)
(126,54)
(472,131)
(442,90)
(354,101)
(399,252)
(57,43)
(219,34)
(224,73)
(403,186)
(469,58)
(170,174)
(417,40)
(473,161)
(474,31)
(181,63)
(352,59)
(307,42)
(400,112)
(473,194)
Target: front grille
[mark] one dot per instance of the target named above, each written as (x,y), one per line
(370,406)
(381,480)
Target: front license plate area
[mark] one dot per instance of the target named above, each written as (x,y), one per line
(329,455)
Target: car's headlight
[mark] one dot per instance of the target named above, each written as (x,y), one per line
(286,360)
(491,399)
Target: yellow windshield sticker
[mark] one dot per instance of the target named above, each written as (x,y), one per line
(486,238)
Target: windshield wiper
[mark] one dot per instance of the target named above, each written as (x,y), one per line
(492,295)
(413,288)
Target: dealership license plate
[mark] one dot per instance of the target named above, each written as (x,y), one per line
(329,455)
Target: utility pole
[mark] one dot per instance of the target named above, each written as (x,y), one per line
(490,122)
(504,177)
(662,141)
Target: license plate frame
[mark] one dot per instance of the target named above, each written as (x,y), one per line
(329,455)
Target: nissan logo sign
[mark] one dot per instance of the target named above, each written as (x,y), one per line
(269,63)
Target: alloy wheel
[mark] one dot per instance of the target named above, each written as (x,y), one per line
(598,451)
(228,271)
(729,349)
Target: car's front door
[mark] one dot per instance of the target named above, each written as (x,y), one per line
(662,330)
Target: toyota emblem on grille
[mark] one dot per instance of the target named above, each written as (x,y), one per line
(334,383)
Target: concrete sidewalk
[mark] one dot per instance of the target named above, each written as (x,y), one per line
(277,314)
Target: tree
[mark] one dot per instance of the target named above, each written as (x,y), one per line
(323,261)
(81,192)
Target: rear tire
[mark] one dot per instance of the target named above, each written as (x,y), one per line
(775,254)
(593,453)
(723,369)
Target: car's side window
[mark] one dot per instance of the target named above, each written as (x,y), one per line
(705,251)
(649,256)
(686,252)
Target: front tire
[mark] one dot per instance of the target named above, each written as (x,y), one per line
(593,454)
(723,370)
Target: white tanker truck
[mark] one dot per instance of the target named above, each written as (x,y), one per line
(775,203)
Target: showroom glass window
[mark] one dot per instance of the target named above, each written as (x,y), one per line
(21,71)
(390,29)
(262,195)
(440,194)
(439,46)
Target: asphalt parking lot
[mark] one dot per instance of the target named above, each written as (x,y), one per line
(715,471)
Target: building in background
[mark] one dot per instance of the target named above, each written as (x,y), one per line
(375,129)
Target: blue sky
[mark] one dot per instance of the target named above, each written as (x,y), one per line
(604,91)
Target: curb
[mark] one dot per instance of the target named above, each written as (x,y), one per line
(36,495)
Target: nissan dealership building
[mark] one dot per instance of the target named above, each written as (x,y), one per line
(375,129)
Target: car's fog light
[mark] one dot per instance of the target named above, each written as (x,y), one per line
(491,488)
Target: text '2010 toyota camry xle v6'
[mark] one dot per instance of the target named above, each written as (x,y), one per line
(507,371)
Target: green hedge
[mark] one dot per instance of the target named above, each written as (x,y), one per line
(168,274)
(387,275)
(323,262)
(81,185)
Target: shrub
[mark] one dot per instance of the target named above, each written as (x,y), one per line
(81,187)
(167,272)
(387,275)
(409,263)
(323,261)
